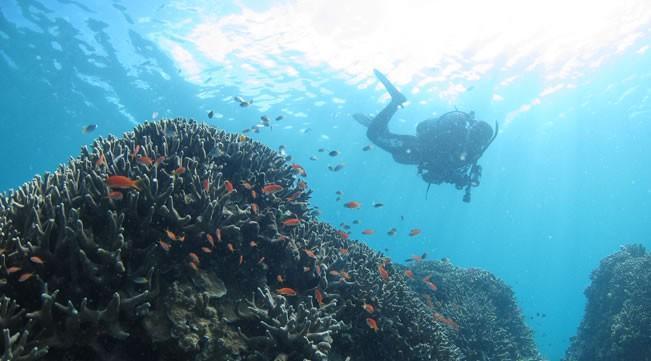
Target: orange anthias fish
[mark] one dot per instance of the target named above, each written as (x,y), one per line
(447,321)
(24,277)
(115,195)
(432,286)
(299,169)
(37,259)
(122,182)
(286,291)
(352,204)
(309,253)
(206,185)
(343,234)
(291,222)
(372,324)
(145,160)
(179,170)
(254,208)
(164,245)
(383,272)
(368,232)
(272,188)
(414,232)
(318,295)
(368,307)
(409,273)
(229,186)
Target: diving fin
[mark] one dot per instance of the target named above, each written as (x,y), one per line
(363,119)
(396,95)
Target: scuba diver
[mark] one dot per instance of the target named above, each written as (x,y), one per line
(446,149)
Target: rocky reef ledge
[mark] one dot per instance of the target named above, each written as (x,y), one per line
(617,320)
(179,241)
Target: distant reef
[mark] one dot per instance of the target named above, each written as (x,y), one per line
(617,320)
(178,241)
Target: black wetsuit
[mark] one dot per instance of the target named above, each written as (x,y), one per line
(446,149)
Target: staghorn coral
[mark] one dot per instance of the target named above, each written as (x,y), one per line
(162,263)
(477,309)
(301,332)
(617,321)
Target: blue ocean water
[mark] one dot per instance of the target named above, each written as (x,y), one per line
(565,183)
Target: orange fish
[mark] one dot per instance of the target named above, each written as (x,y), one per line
(280,279)
(343,251)
(352,204)
(334,272)
(368,232)
(309,253)
(253,244)
(36,259)
(368,307)
(299,169)
(306,269)
(432,286)
(447,321)
(230,247)
(254,195)
(343,234)
(145,160)
(122,182)
(318,296)
(383,272)
(286,291)
(179,170)
(206,249)
(194,258)
(272,188)
(101,160)
(171,235)
(229,186)
(372,324)
(206,185)
(317,269)
(194,266)
(241,259)
(302,185)
(254,208)
(414,232)
(115,195)
(13,269)
(210,239)
(218,233)
(409,273)
(291,222)
(164,245)
(294,195)
(24,277)
(159,160)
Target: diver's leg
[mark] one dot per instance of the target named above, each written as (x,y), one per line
(396,95)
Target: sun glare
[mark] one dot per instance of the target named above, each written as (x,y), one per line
(421,42)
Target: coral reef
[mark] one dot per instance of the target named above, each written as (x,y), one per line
(477,309)
(180,241)
(617,321)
